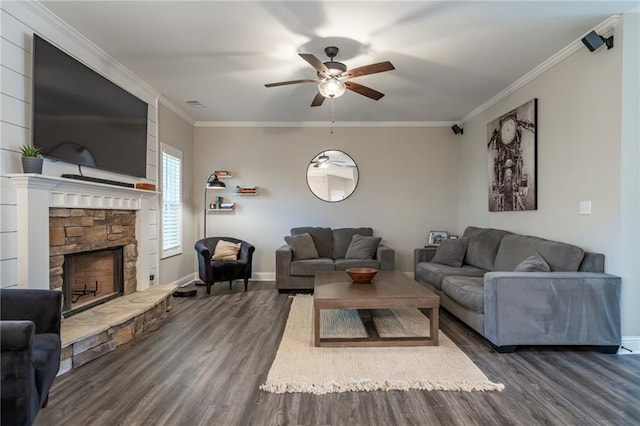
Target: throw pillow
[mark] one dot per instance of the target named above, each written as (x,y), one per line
(451,252)
(302,246)
(362,247)
(226,250)
(533,263)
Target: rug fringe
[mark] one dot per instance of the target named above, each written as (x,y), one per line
(369,386)
(301,295)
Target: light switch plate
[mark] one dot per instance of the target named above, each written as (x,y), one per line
(585,207)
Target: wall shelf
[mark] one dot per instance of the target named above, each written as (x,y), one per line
(229,191)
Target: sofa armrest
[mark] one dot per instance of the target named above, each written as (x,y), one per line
(43,307)
(284,255)
(205,270)
(16,335)
(386,256)
(552,308)
(20,399)
(423,255)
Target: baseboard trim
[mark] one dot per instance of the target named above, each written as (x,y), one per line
(186,280)
(630,346)
(263,276)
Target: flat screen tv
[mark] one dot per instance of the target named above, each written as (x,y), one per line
(82,118)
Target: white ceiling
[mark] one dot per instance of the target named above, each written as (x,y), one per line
(450,56)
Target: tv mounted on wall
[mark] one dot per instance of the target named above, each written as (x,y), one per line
(82,118)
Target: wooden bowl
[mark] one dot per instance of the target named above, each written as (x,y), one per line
(362,275)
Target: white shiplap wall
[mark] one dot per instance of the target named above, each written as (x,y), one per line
(19,20)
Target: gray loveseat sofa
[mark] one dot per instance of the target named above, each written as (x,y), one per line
(331,245)
(574,303)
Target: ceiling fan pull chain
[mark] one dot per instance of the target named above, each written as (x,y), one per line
(333,117)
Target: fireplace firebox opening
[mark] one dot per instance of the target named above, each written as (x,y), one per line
(91,278)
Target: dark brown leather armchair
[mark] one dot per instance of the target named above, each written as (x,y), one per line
(212,271)
(30,358)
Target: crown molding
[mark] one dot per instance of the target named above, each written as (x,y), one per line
(177,110)
(44,22)
(324,124)
(606,26)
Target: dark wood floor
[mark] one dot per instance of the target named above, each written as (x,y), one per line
(204,364)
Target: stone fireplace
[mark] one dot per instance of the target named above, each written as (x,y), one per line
(58,217)
(87,234)
(92,253)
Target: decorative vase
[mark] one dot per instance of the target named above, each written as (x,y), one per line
(32,165)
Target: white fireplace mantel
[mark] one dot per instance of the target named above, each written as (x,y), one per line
(37,193)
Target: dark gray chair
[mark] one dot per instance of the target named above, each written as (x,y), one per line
(212,271)
(30,345)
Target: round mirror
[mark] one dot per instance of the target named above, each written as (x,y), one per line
(332,176)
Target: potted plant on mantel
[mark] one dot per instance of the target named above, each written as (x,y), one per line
(31,159)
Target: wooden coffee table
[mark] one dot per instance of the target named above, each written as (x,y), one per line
(387,290)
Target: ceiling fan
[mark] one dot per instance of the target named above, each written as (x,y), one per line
(323,161)
(333,77)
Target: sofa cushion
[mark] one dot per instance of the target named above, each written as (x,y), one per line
(467,291)
(362,247)
(302,246)
(533,263)
(514,248)
(341,239)
(592,262)
(469,231)
(344,264)
(309,267)
(433,273)
(321,237)
(483,247)
(451,252)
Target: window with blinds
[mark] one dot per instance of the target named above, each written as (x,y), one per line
(171,201)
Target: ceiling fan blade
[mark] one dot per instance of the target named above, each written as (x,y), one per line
(315,62)
(369,69)
(284,83)
(318,100)
(363,90)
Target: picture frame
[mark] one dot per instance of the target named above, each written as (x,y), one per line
(512,154)
(436,237)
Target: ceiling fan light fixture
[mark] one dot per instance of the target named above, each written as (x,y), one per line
(331,88)
(335,68)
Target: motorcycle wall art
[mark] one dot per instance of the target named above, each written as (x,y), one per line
(512,140)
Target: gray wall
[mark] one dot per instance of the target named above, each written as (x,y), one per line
(408,184)
(174,131)
(579,158)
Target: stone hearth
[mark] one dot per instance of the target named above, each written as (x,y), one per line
(98,331)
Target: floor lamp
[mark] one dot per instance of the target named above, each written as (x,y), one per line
(212,183)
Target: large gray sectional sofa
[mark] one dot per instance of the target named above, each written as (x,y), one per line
(331,245)
(575,303)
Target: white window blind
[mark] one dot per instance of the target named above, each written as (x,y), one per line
(171,201)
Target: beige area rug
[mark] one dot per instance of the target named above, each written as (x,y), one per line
(300,366)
